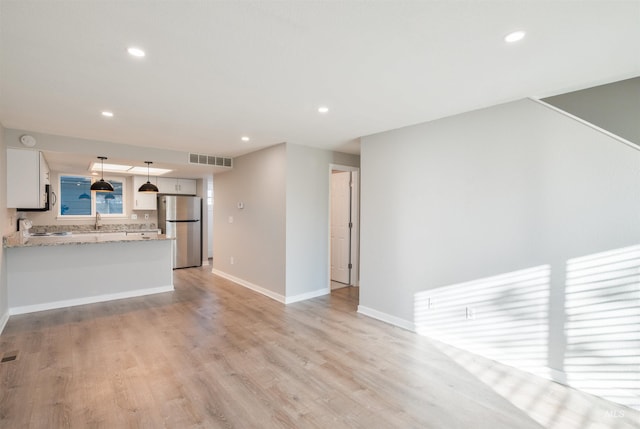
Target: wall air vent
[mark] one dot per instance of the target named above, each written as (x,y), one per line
(218,161)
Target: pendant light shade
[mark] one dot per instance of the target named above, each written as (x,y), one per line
(148,187)
(102,185)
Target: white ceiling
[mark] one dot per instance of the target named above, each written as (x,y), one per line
(218,70)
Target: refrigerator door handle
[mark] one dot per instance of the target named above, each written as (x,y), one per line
(178,221)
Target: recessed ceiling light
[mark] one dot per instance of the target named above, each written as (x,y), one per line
(114,168)
(514,36)
(153,171)
(107,114)
(121,168)
(136,52)
(245,139)
(323,109)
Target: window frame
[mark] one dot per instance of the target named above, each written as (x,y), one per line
(94,179)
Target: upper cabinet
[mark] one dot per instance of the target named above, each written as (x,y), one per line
(27,179)
(171,185)
(144,200)
(166,185)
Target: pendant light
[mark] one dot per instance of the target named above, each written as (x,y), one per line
(148,187)
(102,185)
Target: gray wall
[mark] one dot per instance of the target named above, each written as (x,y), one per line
(614,107)
(7,229)
(256,238)
(308,171)
(494,210)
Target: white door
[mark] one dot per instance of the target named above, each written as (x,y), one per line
(340,226)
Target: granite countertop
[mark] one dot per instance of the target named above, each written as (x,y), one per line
(119,227)
(83,238)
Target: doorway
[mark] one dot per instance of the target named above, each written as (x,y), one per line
(344,226)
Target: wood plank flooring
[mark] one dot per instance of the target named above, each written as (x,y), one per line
(213,354)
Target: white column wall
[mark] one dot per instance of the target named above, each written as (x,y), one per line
(308,192)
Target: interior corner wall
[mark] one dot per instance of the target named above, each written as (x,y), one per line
(307,227)
(253,236)
(489,193)
(7,228)
(201,191)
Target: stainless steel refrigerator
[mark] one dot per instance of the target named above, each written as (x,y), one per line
(180,217)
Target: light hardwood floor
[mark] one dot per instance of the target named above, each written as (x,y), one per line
(213,354)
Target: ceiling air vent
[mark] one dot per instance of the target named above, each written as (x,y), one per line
(218,161)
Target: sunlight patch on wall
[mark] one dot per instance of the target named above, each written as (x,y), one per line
(603,324)
(502,317)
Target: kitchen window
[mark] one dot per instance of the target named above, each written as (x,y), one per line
(77,200)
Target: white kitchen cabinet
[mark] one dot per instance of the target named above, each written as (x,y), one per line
(144,200)
(27,179)
(172,185)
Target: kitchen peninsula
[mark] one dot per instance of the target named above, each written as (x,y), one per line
(64,270)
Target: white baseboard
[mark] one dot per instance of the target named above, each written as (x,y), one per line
(88,300)
(249,285)
(387,318)
(307,295)
(269,293)
(205,262)
(3,321)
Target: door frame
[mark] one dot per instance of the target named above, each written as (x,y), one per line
(355,219)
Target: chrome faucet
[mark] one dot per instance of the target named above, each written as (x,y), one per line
(98,218)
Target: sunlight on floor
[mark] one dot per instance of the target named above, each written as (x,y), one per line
(552,405)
